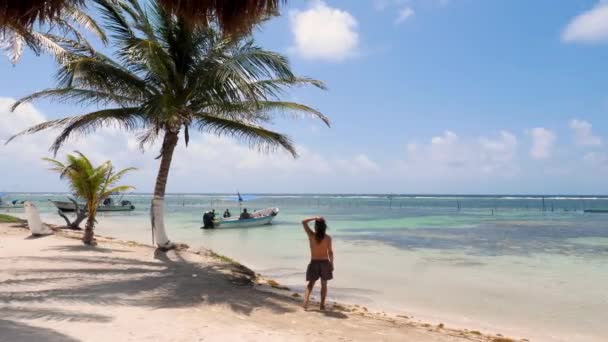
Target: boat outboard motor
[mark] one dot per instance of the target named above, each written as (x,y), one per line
(207,220)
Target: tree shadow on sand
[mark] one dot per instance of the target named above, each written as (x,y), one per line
(16,331)
(85,248)
(169,282)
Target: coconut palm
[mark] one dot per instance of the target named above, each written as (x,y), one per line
(231,15)
(169,78)
(47,37)
(91,183)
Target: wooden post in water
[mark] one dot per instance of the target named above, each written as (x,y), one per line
(543,204)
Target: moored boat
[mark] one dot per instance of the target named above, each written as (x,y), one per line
(106,206)
(12,205)
(596,211)
(258,218)
(15,204)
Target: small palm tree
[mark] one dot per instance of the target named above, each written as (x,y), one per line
(168,78)
(91,183)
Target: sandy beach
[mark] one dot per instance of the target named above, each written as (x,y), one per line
(55,289)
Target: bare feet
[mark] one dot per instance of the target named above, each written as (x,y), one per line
(322,308)
(305,305)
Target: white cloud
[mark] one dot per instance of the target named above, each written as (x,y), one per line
(596,158)
(583,134)
(361,164)
(448,156)
(324,33)
(498,153)
(404,14)
(208,164)
(588,27)
(543,141)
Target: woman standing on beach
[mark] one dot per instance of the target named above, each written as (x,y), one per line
(321,258)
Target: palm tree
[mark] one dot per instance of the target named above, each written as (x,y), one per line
(46,37)
(91,183)
(168,78)
(231,15)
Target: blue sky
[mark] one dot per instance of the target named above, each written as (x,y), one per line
(425,96)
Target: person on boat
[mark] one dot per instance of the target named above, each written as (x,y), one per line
(321,258)
(245,215)
(227,213)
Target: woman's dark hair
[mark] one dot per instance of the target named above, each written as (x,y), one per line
(320,228)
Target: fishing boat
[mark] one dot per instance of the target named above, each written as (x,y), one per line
(107,205)
(15,204)
(258,218)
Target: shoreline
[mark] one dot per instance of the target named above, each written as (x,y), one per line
(240,275)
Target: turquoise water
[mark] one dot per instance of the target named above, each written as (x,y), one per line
(500,264)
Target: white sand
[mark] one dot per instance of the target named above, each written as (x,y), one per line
(55,289)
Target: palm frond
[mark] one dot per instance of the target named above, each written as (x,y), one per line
(12,44)
(87,22)
(125,118)
(78,96)
(116,189)
(254,135)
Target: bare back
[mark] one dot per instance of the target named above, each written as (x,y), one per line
(319,250)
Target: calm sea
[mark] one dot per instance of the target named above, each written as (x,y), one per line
(528,266)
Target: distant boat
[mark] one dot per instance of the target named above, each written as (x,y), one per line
(596,211)
(15,204)
(258,218)
(108,205)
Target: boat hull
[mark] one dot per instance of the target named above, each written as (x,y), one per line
(596,211)
(260,218)
(70,207)
(11,206)
(245,223)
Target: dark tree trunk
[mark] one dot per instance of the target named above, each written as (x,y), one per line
(169,143)
(89,236)
(75,225)
(157,207)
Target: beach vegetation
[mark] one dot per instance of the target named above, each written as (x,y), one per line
(4,218)
(168,78)
(91,183)
(223,258)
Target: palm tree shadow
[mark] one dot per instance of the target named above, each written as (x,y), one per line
(85,248)
(16,331)
(328,313)
(37,236)
(22,313)
(169,282)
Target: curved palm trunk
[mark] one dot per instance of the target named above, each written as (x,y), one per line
(157,209)
(89,235)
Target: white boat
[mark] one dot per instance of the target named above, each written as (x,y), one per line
(11,205)
(106,206)
(258,218)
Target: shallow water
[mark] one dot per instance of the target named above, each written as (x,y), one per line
(500,264)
